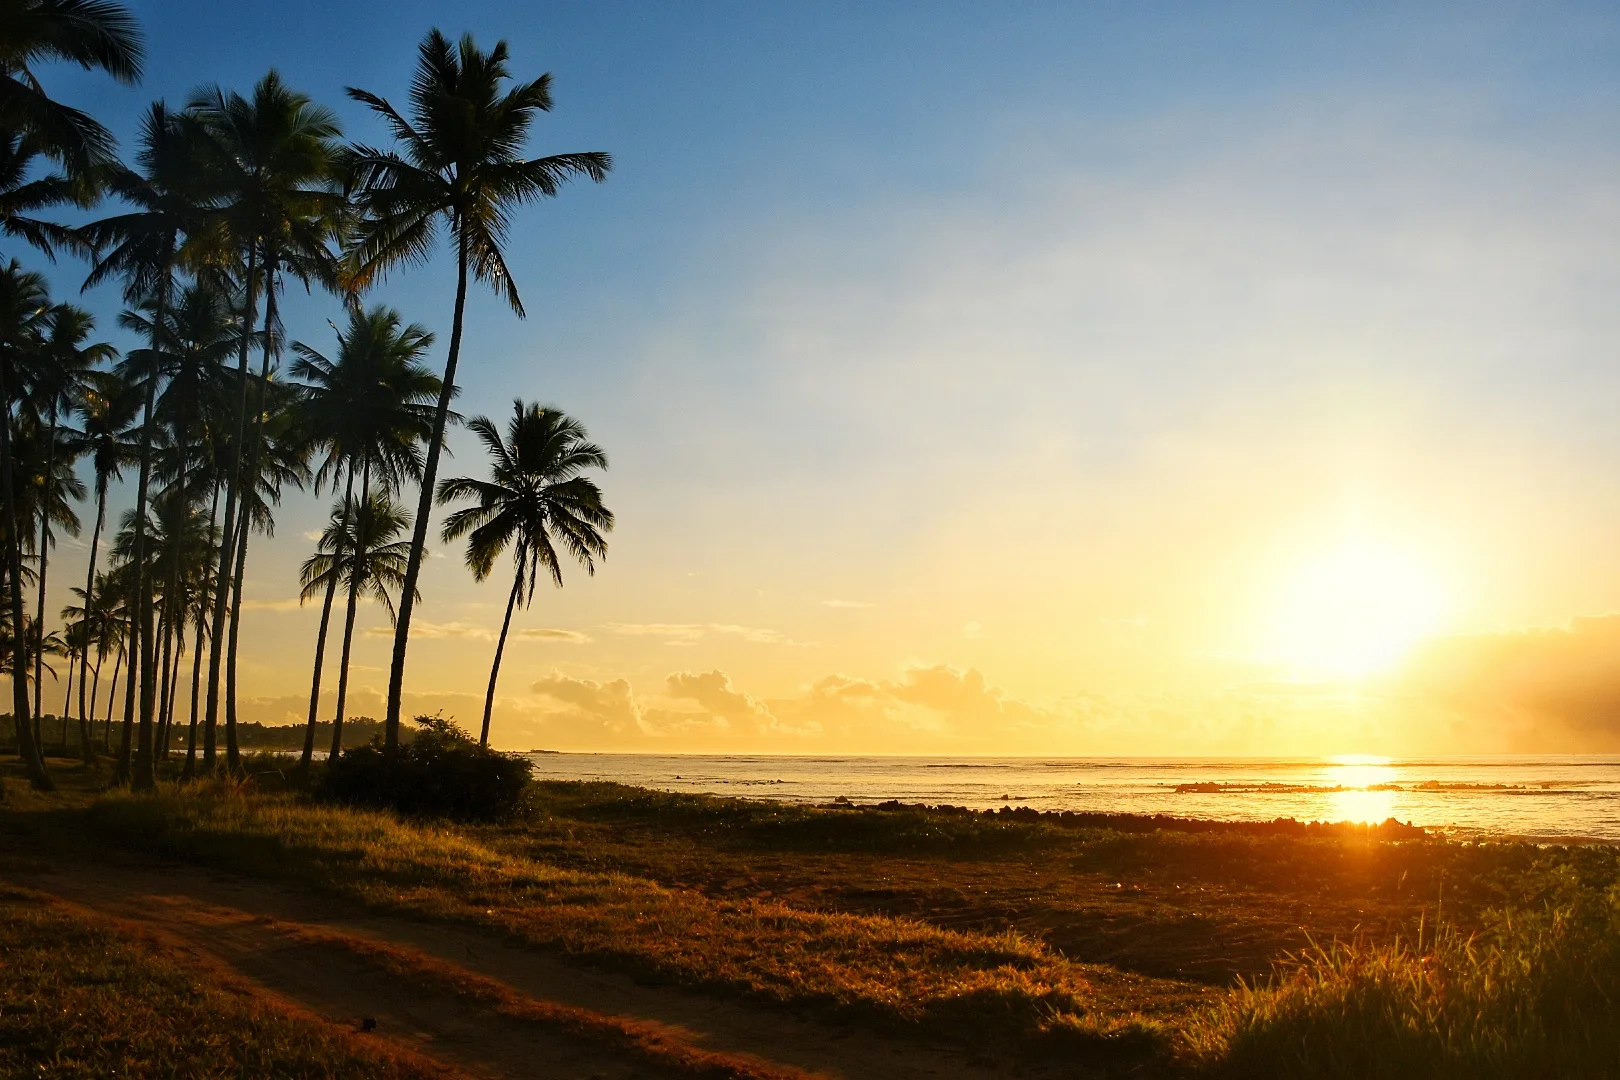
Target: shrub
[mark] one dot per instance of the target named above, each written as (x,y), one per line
(441,772)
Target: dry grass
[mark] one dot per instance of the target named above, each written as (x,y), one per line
(1536,995)
(901,971)
(81,996)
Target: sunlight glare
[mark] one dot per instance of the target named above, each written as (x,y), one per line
(1355,610)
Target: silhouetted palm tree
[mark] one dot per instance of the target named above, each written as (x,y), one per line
(359,550)
(33,127)
(535,501)
(273,156)
(24,304)
(106,415)
(368,411)
(459,163)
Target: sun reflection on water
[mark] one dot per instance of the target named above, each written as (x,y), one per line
(1359,775)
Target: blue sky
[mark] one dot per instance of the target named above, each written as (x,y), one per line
(1057,342)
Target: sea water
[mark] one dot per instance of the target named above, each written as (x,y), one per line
(1560,797)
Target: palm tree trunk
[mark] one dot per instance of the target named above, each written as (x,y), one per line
(88,719)
(227,543)
(127,741)
(89,607)
(144,776)
(44,553)
(424,503)
(165,686)
(357,578)
(244,522)
(27,748)
(196,685)
(320,637)
(112,696)
(500,647)
(67,704)
(232,754)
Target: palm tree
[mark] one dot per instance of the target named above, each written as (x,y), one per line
(93,34)
(360,550)
(459,163)
(274,155)
(279,457)
(57,390)
(368,411)
(145,246)
(535,501)
(46,480)
(106,414)
(24,302)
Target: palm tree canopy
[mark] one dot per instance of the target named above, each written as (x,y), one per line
(90,33)
(272,161)
(375,400)
(535,499)
(361,539)
(459,157)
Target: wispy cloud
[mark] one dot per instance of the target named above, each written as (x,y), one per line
(973,630)
(686,633)
(435,630)
(286,604)
(848,604)
(543,633)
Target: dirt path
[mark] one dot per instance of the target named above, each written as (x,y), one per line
(489,1007)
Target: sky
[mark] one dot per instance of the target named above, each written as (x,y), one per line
(1029,378)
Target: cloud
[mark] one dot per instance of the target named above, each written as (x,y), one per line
(973,630)
(689,632)
(713,693)
(290,603)
(435,630)
(605,707)
(541,633)
(1541,689)
(848,604)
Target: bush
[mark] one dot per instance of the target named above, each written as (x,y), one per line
(441,771)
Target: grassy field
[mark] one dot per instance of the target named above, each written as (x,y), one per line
(1241,952)
(80,996)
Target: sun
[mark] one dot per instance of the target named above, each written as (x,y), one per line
(1354,609)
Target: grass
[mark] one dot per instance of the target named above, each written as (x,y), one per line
(1007,931)
(1535,995)
(904,972)
(83,996)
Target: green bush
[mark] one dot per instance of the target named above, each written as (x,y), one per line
(441,772)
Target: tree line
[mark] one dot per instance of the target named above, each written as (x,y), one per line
(222,202)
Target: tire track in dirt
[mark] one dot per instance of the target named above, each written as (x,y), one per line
(486,1006)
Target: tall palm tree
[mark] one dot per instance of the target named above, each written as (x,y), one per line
(56,392)
(279,457)
(145,246)
(274,155)
(33,127)
(106,415)
(459,164)
(535,501)
(359,549)
(368,411)
(24,302)
(47,481)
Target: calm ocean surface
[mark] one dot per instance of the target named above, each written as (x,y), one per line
(1550,797)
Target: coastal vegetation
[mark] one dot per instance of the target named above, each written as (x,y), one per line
(1251,951)
(219,205)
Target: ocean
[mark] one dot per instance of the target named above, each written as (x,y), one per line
(1555,797)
